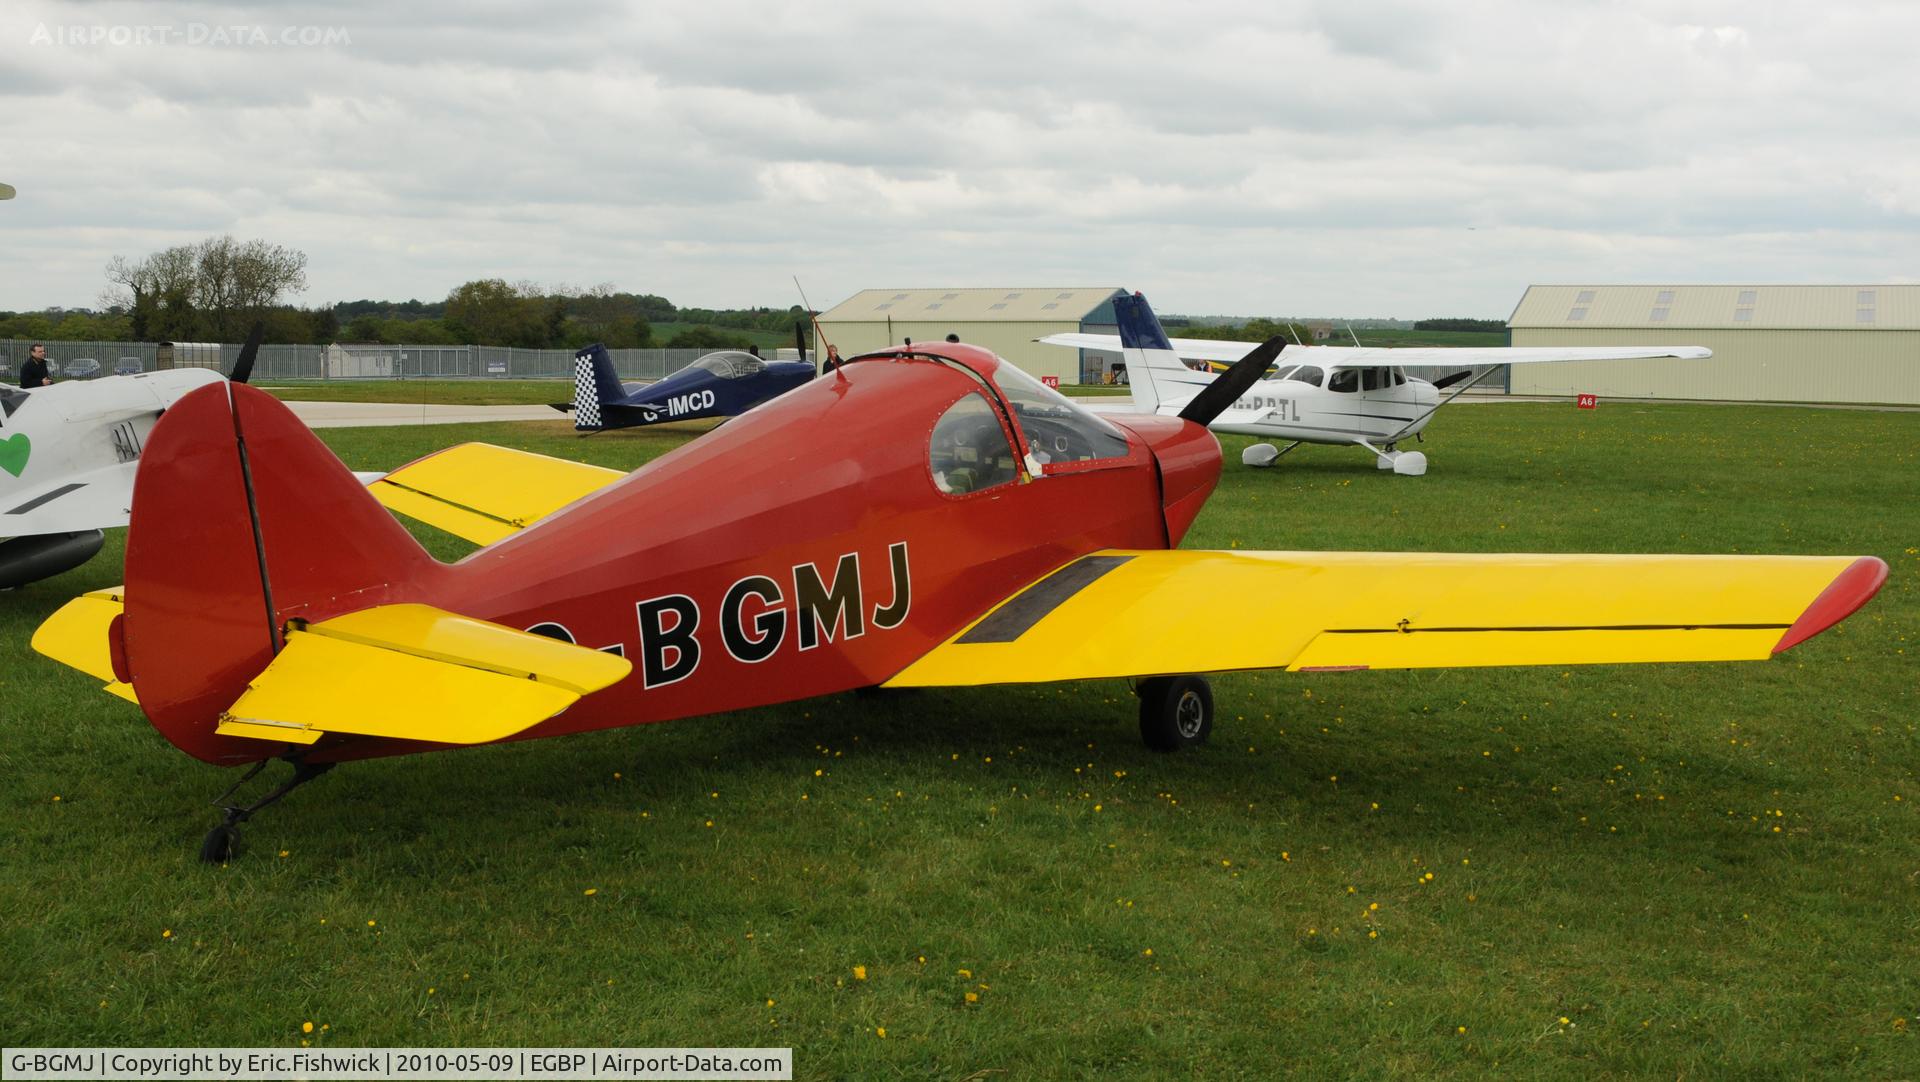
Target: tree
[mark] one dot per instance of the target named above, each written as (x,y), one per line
(213,289)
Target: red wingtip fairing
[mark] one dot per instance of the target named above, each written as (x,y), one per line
(199,623)
(1849,590)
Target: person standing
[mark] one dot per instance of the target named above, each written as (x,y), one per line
(832,360)
(33,373)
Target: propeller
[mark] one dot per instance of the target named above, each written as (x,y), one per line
(1246,371)
(1445,382)
(243,364)
(800,338)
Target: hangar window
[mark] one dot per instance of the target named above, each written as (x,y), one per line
(1577,313)
(1345,380)
(1063,296)
(1050,304)
(1659,315)
(948,296)
(1743,315)
(1585,297)
(1747,297)
(900,296)
(932,306)
(1665,296)
(991,307)
(1013,296)
(969,450)
(883,307)
(1863,315)
(1864,298)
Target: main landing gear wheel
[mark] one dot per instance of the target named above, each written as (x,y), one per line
(1175,711)
(218,847)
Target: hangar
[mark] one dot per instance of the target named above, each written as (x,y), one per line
(1771,343)
(1004,320)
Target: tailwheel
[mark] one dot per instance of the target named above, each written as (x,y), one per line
(222,843)
(1175,711)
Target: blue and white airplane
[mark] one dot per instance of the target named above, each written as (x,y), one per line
(1341,395)
(723,384)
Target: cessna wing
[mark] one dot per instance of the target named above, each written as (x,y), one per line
(1138,613)
(1206,349)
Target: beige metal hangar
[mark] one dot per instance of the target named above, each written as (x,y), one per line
(1004,320)
(1777,343)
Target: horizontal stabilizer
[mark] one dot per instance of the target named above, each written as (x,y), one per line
(77,636)
(484,493)
(413,672)
(1142,613)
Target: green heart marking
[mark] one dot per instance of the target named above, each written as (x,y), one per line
(13,453)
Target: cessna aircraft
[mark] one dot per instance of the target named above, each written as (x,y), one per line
(1340,395)
(67,459)
(958,524)
(722,384)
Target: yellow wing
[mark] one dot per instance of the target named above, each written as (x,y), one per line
(413,672)
(484,493)
(76,636)
(1143,613)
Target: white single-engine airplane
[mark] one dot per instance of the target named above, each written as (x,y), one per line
(67,458)
(1341,395)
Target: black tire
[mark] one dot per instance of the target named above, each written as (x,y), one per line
(218,848)
(1175,712)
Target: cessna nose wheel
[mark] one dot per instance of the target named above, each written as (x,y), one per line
(1175,711)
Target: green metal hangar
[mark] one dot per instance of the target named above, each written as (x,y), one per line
(1778,343)
(1005,321)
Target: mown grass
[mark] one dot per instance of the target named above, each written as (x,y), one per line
(485,392)
(1706,871)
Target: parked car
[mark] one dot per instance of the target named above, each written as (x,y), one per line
(128,366)
(6,368)
(82,368)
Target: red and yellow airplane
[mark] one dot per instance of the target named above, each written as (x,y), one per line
(927,516)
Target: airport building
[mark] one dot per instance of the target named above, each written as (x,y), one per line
(1771,343)
(1004,320)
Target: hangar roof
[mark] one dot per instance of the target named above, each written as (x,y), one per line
(1743,307)
(1030,304)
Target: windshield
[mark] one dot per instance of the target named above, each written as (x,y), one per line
(731,364)
(12,398)
(1056,430)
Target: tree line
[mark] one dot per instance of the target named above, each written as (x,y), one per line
(216,289)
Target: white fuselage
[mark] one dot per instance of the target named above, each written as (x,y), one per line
(68,451)
(1314,405)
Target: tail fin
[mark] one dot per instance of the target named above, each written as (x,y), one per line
(1154,371)
(207,596)
(595,383)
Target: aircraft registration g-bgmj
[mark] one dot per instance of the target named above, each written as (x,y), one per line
(723,384)
(68,453)
(1343,395)
(958,524)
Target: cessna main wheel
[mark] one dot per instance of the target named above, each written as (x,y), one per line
(1175,711)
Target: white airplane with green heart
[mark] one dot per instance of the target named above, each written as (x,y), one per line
(67,458)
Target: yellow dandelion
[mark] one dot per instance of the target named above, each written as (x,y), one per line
(283,852)
(769,1002)
(709,822)
(591,891)
(859,973)
(166,933)
(881,1031)
(973,997)
(967,973)
(1460,1030)
(1373,935)
(1564,1021)
(371,923)
(1148,953)
(306,1027)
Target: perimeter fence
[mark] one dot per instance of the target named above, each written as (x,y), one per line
(347,362)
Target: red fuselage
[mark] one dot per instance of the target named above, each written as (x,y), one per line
(802,549)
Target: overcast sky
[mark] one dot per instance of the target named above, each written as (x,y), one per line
(1299,157)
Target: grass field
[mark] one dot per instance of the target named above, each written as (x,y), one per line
(486,392)
(1699,871)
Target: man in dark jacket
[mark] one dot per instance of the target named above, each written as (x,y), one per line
(33,373)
